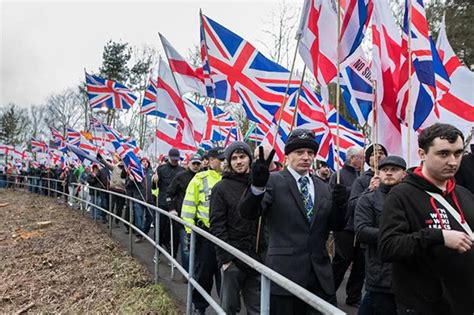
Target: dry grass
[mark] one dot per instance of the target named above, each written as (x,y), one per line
(68,266)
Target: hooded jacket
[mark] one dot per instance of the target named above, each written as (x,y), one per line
(427,276)
(465,174)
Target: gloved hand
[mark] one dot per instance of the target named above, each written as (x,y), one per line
(99,157)
(339,194)
(260,168)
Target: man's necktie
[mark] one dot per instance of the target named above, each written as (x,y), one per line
(308,203)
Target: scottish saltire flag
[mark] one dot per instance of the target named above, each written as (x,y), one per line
(187,78)
(456,106)
(108,93)
(318,33)
(420,97)
(259,82)
(385,72)
(356,86)
(38,145)
(356,18)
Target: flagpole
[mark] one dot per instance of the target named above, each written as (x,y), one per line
(285,97)
(409,109)
(212,83)
(298,93)
(374,127)
(338,86)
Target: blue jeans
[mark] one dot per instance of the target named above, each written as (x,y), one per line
(138,211)
(96,213)
(183,250)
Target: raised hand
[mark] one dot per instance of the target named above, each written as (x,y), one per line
(261,168)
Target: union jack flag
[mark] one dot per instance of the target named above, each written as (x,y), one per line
(255,134)
(108,93)
(259,82)
(423,83)
(76,139)
(126,153)
(58,139)
(38,145)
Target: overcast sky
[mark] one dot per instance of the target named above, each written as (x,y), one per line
(45,46)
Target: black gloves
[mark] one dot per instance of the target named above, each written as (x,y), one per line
(260,169)
(99,157)
(339,194)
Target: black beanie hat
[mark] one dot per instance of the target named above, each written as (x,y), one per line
(370,150)
(301,138)
(237,145)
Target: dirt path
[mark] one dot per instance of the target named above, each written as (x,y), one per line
(54,260)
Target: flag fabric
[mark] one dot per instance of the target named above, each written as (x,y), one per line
(356,87)
(126,152)
(356,18)
(417,94)
(75,138)
(187,78)
(149,103)
(170,102)
(318,38)
(82,154)
(38,145)
(385,72)
(254,133)
(259,82)
(457,104)
(58,139)
(169,136)
(108,93)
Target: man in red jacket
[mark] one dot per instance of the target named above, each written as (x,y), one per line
(426,230)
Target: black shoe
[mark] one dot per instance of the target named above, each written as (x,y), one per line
(199,311)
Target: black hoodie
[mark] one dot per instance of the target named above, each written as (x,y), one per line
(427,276)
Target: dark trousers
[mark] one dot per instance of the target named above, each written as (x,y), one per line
(346,253)
(165,230)
(236,282)
(205,270)
(117,204)
(149,218)
(383,303)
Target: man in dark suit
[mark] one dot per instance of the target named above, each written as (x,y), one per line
(299,211)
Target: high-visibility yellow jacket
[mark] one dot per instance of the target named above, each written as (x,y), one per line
(198,198)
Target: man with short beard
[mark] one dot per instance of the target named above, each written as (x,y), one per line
(426,230)
(378,282)
(228,225)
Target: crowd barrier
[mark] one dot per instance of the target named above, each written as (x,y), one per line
(267,275)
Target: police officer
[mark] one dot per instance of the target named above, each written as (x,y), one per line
(195,210)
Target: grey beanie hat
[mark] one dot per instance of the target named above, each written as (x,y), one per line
(237,145)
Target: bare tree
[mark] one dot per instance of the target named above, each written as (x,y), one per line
(65,109)
(38,120)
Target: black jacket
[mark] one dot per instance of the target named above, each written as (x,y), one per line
(465,174)
(427,276)
(227,223)
(296,247)
(359,186)
(367,221)
(140,190)
(166,173)
(348,175)
(177,190)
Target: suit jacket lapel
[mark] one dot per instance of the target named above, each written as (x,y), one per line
(295,192)
(317,201)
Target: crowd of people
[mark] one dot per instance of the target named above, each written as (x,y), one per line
(404,234)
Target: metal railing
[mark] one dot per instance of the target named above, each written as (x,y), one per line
(267,275)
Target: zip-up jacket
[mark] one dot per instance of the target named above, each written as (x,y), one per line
(140,190)
(427,276)
(378,274)
(359,186)
(226,221)
(195,209)
(177,190)
(166,173)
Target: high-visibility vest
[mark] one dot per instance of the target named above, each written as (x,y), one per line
(155,192)
(197,200)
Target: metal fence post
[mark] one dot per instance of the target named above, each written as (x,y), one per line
(94,208)
(110,214)
(49,187)
(172,247)
(130,230)
(264,295)
(157,252)
(64,190)
(192,250)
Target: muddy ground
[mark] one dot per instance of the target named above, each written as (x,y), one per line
(53,259)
